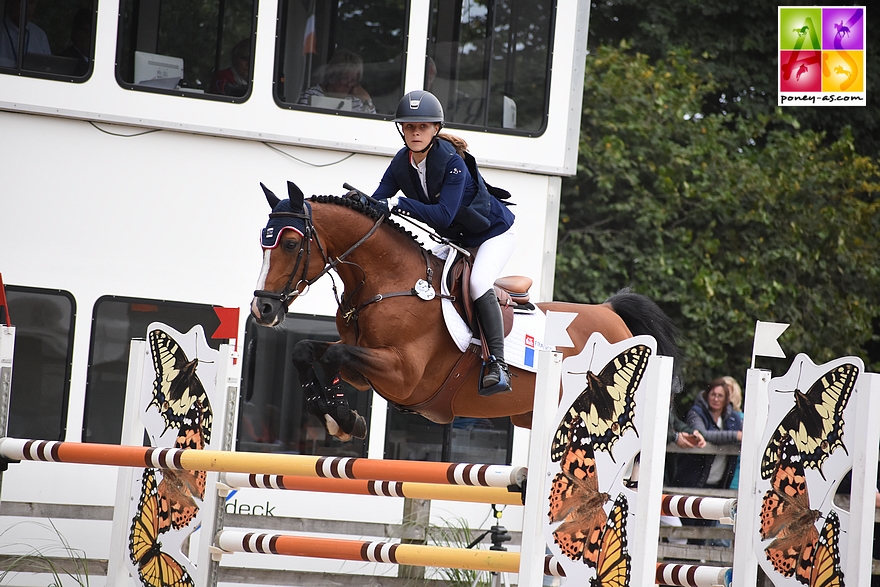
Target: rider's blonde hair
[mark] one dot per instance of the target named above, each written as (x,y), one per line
(459,143)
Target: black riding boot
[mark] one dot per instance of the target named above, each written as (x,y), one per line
(495,376)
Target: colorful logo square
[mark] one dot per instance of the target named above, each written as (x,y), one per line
(843,28)
(799,28)
(801,71)
(843,71)
(822,56)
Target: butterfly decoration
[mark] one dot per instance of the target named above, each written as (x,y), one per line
(179,489)
(576,502)
(826,564)
(614,562)
(155,567)
(177,386)
(606,407)
(787,518)
(815,423)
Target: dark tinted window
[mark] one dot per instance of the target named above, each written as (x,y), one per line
(272,408)
(342,55)
(189,47)
(59,41)
(115,322)
(43,321)
(467,440)
(489,62)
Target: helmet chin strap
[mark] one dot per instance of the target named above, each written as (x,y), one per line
(431,144)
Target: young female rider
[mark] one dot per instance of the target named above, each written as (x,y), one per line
(438,190)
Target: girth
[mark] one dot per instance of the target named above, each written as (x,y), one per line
(438,407)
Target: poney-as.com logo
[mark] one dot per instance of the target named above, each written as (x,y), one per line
(822,56)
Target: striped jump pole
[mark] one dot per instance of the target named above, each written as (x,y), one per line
(265,463)
(693,575)
(700,508)
(472,494)
(417,555)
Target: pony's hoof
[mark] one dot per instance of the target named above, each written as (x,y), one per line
(359,430)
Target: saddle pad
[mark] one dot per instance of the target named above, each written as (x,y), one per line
(458,328)
(519,346)
(525,339)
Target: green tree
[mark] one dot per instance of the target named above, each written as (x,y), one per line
(737,43)
(723,220)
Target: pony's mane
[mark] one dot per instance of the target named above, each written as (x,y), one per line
(367,211)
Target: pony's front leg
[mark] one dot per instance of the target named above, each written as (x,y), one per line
(326,401)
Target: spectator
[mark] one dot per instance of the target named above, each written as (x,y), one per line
(714,417)
(80,41)
(736,400)
(342,79)
(685,437)
(35,40)
(234,80)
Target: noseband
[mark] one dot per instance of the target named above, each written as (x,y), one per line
(304,253)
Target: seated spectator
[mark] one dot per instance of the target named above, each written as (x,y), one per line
(342,79)
(234,80)
(80,41)
(35,39)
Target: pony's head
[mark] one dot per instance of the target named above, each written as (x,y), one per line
(286,242)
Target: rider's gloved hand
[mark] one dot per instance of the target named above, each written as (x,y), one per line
(357,197)
(387,206)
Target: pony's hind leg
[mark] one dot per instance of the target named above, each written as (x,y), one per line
(326,401)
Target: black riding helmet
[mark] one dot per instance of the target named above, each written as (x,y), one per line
(418,106)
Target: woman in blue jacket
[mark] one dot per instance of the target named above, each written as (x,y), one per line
(439,190)
(714,416)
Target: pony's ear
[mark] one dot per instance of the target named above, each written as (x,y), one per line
(296,196)
(270,197)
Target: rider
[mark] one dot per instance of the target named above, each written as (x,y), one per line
(439,190)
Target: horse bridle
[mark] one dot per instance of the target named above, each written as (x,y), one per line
(288,292)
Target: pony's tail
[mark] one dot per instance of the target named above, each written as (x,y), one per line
(643,316)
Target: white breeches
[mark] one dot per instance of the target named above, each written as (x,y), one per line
(490,260)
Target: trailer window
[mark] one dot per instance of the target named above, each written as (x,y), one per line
(43,320)
(59,39)
(190,48)
(115,322)
(467,440)
(272,408)
(341,56)
(489,62)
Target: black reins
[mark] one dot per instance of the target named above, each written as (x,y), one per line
(291,291)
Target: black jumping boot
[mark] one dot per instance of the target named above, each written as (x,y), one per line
(495,374)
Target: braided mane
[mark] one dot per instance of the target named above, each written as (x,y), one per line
(367,211)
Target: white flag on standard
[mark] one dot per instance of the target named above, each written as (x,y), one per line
(766,340)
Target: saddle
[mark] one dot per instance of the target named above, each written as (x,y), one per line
(510,291)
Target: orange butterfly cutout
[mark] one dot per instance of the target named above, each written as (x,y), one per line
(613,566)
(179,488)
(155,567)
(826,564)
(786,516)
(575,500)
